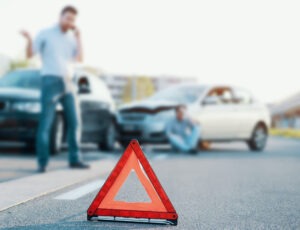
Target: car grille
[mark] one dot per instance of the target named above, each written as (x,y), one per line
(135,134)
(157,134)
(94,115)
(133,117)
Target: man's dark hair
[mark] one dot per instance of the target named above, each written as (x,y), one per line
(70,9)
(178,107)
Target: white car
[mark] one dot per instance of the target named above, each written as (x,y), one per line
(224,113)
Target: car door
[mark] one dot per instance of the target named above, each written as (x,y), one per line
(247,111)
(95,113)
(217,117)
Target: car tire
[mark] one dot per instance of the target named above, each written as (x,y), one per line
(31,146)
(57,134)
(108,143)
(124,144)
(259,138)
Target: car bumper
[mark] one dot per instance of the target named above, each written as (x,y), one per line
(18,127)
(150,132)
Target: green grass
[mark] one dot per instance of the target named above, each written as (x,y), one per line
(293,133)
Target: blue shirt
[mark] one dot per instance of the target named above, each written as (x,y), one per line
(57,50)
(181,128)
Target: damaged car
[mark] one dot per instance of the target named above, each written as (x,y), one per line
(224,114)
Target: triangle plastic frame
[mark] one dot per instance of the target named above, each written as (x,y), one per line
(169,213)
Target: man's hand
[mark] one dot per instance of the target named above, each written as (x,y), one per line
(27,36)
(77,32)
(79,56)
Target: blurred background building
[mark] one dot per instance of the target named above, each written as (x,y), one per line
(286,113)
(126,88)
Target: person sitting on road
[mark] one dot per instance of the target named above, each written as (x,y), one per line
(182,133)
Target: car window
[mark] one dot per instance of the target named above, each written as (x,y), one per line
(28,79)
(181,94)
(242,96)
(224,95)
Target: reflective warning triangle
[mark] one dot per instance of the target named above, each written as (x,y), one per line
(105,204)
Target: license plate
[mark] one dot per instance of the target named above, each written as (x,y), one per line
(130,127)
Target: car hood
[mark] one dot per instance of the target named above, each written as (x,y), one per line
(151,106)
(19,94)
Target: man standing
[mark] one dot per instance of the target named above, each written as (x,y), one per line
(58,47)
(182,133)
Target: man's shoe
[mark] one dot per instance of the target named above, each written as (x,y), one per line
(193,151)
(79,165)
(41,169)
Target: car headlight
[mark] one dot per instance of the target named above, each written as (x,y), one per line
(163,116)
(31,107)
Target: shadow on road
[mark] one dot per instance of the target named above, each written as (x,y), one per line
(11,151)
(93,225)
(169,150)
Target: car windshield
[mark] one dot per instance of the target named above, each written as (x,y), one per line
(28,79)
(180,94)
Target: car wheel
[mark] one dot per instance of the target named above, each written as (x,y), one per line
(259,138)
(108,144)
(124,144)
(31,145)
(57,133)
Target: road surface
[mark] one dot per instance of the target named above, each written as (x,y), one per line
(227,187)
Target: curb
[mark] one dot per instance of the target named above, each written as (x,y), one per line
(21,190)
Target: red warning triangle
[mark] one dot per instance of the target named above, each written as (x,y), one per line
(105,204)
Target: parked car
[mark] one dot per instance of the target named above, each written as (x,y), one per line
(20,110)
(224,113)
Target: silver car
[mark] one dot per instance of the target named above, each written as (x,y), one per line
(224,113)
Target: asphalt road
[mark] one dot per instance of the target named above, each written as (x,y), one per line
(17,161)
(227,187)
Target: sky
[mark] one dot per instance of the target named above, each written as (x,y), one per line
(253,44)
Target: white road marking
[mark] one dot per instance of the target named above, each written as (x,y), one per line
(161,157)
(81,191)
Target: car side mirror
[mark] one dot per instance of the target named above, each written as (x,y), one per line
(83,86)
(210,100)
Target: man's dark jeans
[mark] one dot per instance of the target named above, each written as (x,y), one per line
(54,91)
